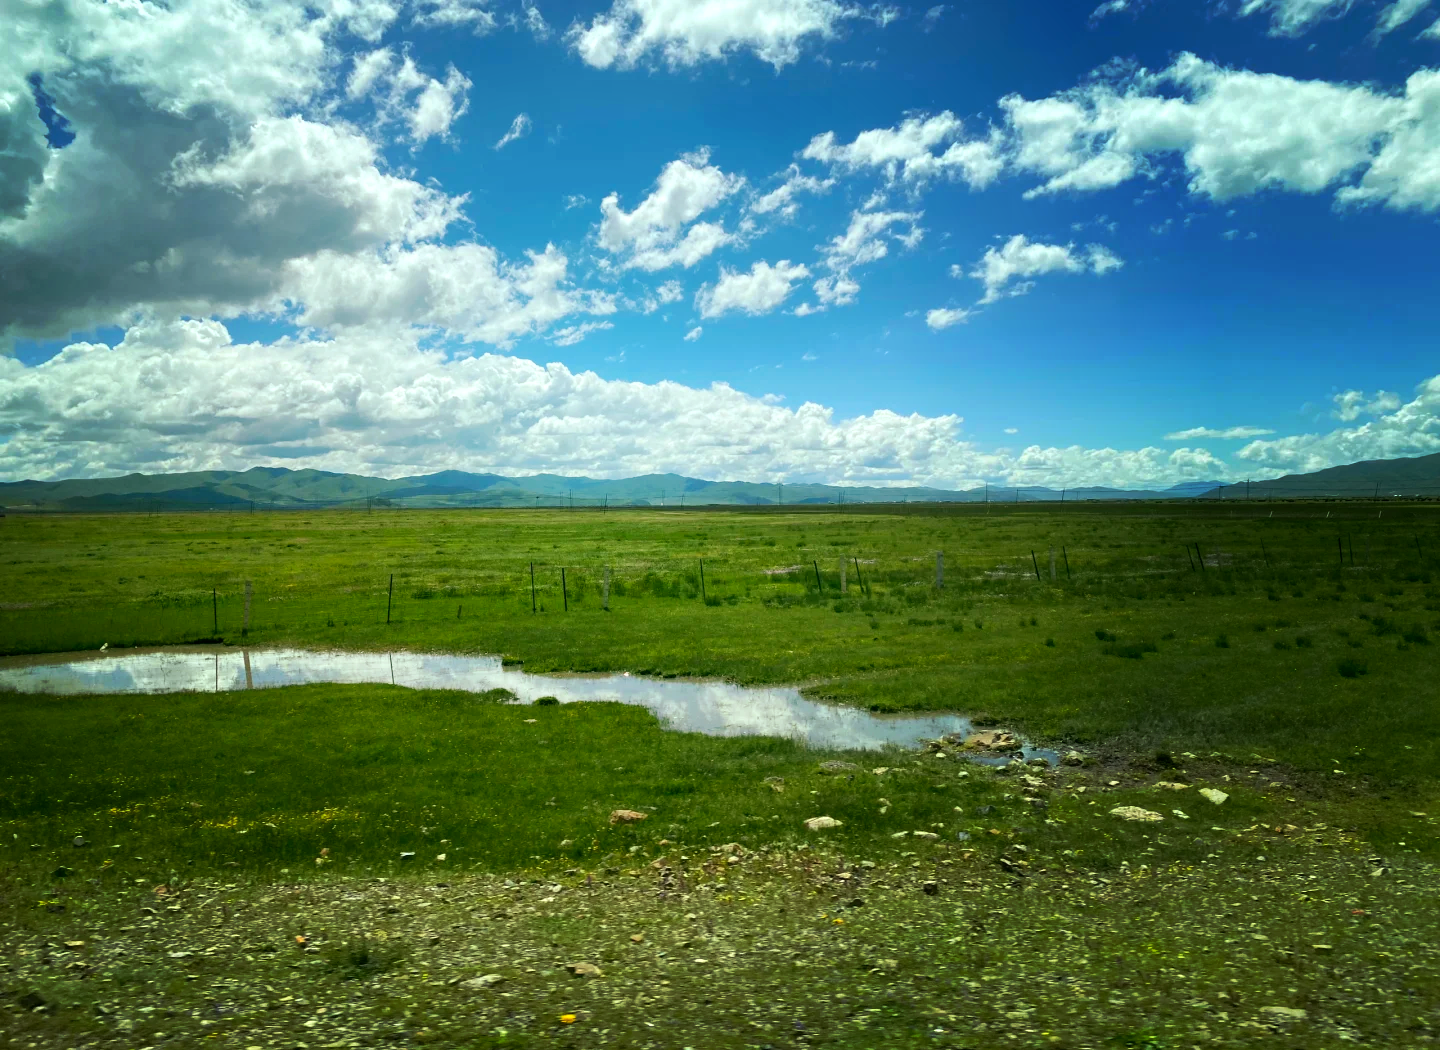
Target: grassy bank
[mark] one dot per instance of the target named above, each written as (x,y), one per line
(1299,632)
(218,830)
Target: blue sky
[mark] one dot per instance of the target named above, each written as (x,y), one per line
(1033,243)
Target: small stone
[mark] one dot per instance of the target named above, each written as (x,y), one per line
(1214,795)
(1170,785)
(1283,1014)
(776,784)
(900,835)
(74,944)
(1323,949)
(531,721)
(584,969)
(490,980)
(880,771)
(1038,762)
(1181,814)
(81,842)
(566,843)
(407,855)
(821,823)
(836,766)
(1136,813)
(627,816)
(928,836)
(1073,758)
(440,856)
(888,964)
(637,938)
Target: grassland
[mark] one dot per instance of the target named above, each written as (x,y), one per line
(225,827)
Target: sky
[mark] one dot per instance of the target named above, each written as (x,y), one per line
(1027,243)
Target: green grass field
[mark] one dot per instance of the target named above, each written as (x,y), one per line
(217,829)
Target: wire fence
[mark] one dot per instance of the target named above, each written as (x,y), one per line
(242,606)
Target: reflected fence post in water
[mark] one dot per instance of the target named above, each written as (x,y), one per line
(249,680)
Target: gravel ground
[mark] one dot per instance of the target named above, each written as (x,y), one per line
(1310,945)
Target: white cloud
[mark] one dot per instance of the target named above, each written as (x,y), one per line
(760,291)
(1237,133)
(669,292)
(1012,430)
(1398,429)
(1114,7)
(1352,404)
(519,128)
(1293,17)
(1433,33)
(649,237)
(576,200)
(864,239)
(467,290)
(572,334)
(403,94)
(942,318)
(694,334)
(686,33)
(1397,14)
(782,198)
(454,14)
(931,18)
(1226,434)
(1021,257)
(919,149)
(181,396)
(535,22)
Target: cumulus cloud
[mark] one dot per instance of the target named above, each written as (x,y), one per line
(650,237)
(230,186)
(1236,133)
(182,396)
(931,18)
(917,150)
(1353,404)
(1023,258)
(1226,434)
(454,14)
(759,291)
(694,334)
(782,198)
(685,33)
(1398,428)
(942,318)
(519,128)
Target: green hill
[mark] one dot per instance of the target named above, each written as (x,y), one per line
(1372,478)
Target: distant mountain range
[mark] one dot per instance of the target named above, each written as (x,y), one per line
(279,487)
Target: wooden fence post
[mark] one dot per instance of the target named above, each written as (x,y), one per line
(1036,564)
(819,587)
(564,594)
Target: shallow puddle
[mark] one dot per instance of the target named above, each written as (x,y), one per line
(713,708)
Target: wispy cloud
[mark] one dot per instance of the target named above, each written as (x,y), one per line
(1227,434)
(519,128)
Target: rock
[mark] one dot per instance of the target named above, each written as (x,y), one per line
(566,843)
(1213,795)
(407,855)
(627,816)
(930,889)
(928,836)
(1322,949)
(490,980)
(992,740)
(1170,785)
(74,944)
(962,836)
(889,965)
(1073,758)
(637,938)
(440,856)
(80,842)
(1038,761)
(1135,813)
(776,784)
(839,767)
(1282,1014)
(1181,814)
(880,771)
(531,721)
(1033,782)
(62,872)
(584,969)
(821,823)
(900,835)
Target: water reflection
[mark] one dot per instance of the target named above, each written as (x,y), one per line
(713,708)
